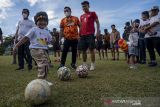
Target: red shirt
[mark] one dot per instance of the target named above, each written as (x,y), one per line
(87,23)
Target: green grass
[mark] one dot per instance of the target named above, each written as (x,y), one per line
(110,79)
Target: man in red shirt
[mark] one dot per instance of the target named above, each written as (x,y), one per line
(87,30)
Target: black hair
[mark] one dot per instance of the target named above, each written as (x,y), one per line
(25,10)
(67,8)
(41,15)
(127,23)
(137,21)
(54,29)
(105,29)
(146,13)
(85,2)
(113,25)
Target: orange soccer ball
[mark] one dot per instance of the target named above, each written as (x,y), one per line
(123,45)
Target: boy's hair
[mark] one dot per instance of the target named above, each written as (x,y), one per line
(113,25)
(54,29)
(41,15)
(85,2)
(67,8)
(137,21)
(25,10)
(146,13)
(127,23)
(105,29)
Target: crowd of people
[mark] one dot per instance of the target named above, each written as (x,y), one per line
(82,35)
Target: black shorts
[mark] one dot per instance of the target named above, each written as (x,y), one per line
(106,46)
(87,41)
(56,47)
(99,45)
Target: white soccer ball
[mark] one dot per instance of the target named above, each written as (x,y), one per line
(64,73)
(37,92)
(82,71)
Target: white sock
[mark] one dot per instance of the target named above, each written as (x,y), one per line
(92,64)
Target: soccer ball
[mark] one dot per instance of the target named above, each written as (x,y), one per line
(64,73)
(37,92)
(82,71)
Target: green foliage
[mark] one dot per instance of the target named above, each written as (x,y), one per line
(7,41)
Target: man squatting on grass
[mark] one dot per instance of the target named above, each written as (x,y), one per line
(87,30)
(39,37)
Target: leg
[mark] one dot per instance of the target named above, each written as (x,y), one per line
(157,44)
(117,50)
(99,53)
(74,51)
(21,57)
(84,46)
(102,53)
(113,53)
(28,54)
(84,55)
(14,58)
(150,47)
(64,52)
(144,52)
(41,58)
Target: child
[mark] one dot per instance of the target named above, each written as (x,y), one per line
(39,38)
(99,44)
(114,37)
(106,40)
(133,45)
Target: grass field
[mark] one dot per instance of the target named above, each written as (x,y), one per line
(110,79)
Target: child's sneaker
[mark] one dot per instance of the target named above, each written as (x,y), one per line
(92,68)
(132,67)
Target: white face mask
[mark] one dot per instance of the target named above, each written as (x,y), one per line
(67,14)
(25,15)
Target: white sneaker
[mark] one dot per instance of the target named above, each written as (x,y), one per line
(49,83)
(92,68)
(132,67)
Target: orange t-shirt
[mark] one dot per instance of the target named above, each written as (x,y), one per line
(70,27)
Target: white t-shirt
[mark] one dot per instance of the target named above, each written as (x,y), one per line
(133,39)
(144,23)
(156,28)
(39,38)
(23,27)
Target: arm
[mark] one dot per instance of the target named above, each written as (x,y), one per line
(152,25)
(61,33)
(22,41)
(98,27)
